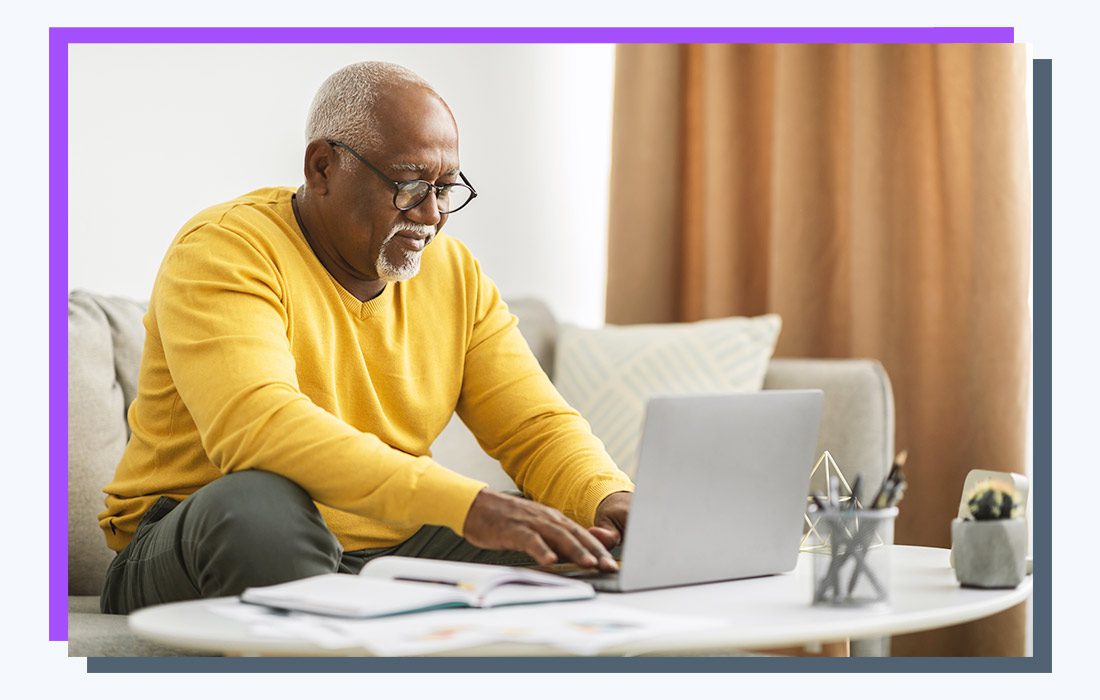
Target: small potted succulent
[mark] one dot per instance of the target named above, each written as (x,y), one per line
(990,545)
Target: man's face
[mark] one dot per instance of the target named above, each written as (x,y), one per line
(371,238)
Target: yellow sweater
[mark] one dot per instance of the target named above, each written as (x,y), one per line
(255,357)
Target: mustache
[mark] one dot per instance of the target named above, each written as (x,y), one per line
(422,229)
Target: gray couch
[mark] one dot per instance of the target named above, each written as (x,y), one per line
(105,342)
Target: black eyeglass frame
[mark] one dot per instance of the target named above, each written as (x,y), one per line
(399,185)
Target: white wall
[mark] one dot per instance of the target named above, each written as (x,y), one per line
(158,132)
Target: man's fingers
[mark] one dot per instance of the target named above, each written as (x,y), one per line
(578,545)
(566,545)
(535,546)
(608,537)
(498,521)
(596,546)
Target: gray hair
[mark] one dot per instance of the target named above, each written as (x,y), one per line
(343,108)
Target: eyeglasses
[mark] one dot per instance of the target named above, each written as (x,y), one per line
(449,197)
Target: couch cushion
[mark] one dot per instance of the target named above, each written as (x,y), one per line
(95,634)
(105,340)
(609,373)
(539,329)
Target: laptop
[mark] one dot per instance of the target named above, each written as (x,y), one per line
(721,488)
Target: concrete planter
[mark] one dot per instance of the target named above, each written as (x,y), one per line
(990,553)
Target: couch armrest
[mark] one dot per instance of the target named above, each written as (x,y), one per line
(857,425)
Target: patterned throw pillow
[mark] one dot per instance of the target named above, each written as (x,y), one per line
(609,373)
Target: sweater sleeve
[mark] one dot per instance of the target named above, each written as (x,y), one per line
(521,420)
(220,312)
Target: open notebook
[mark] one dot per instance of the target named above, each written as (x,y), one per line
(395,585)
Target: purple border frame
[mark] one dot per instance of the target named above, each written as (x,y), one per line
(61,37)
(536,35)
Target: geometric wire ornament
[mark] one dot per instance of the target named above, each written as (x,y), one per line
(813,540)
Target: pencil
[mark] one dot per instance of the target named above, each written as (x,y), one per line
(879,501)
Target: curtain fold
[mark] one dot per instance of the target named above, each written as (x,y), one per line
(878,197)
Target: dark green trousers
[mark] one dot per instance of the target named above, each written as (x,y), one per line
(250,528)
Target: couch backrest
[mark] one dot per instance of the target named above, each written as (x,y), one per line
(857,420)
(105,342)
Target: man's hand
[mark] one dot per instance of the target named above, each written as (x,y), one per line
(499,521)
(610,521)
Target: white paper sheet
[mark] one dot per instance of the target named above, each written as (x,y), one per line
(583,628)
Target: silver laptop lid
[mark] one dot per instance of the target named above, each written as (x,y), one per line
(721,487)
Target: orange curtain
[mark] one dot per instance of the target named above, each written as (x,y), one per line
(878,197)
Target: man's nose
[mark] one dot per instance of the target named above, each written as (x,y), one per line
(427,212)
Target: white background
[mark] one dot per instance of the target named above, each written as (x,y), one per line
(160,132)
(35,666)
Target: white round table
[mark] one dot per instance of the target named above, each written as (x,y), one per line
(765,612)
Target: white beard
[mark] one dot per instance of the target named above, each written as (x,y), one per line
(399,273)
(410,259)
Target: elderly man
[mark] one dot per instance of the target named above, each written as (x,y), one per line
(303,351)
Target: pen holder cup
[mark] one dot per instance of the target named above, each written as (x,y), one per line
(853,569)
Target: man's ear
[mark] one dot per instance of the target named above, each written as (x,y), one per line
(320,164)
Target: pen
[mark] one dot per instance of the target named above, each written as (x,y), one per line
(896,492)
(818,499)
(857,486)
(881,498)
(883,495)
(464,585)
